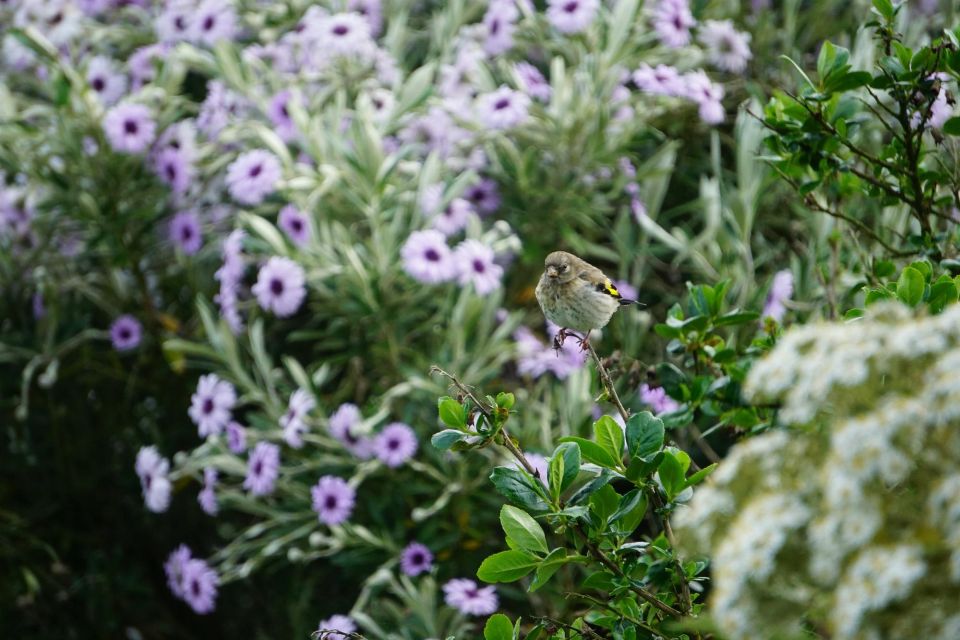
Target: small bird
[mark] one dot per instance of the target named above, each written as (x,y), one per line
(575,295)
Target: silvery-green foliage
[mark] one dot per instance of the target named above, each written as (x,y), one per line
(849,520)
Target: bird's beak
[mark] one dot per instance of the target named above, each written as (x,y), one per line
(552,272)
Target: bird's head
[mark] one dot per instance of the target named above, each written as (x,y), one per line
(560,267)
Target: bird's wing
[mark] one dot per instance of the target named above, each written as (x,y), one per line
(600,282)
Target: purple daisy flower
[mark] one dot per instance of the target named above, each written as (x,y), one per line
(484,195)
(661,80)
(221,107)
(466,597)
(230,276)
(657,399)
(175,169)
(253,176)
(173,567)
(372,12)
(571,16)
(499,22)
(707,94)
(208,496)
(780,291)
(129,128)
(343,426)
(427,258)
(280,116)
(293,421)
(672,21)
(214,20)
(185,232)
(395,444)
(503,108)
(125,333)
(333,500)
(142,64)
(106,80)
(727,49)
(295,224)
(333,624)
(152,468)
(416,559)
(175,22)
(532,82)
(263,467)
(199,583)
(280,286)
(236,437)
(475,265)
(210,406)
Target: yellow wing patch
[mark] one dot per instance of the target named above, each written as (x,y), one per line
(607,287)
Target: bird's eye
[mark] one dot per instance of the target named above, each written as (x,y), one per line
(564,268)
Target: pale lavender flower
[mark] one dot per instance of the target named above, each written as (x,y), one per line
(175,22)
(475,265)
(333,624)
(230,276)
(427,258)
(416,559)
(185,232)
(661,80)
(372,12)
(219,108)
(657,399)
(208,495)
(727,49)
(499,24)
(395,444)
(295,224)
(277,111)
(106,80)
(503,108)
(173,567)
(571,16)
(451,218)
(484,195)
(126,333)
(540,464)
(344,424)
(214,20)
(236,437)
(152,468)
(534,358)
(707,94)
(293,421)
(434,131)
(780,291)
(263,467)
(940,109)
(280,286)
(333,500)
(532,82)
(253,176)
(340,35)
(672,21)
(142,64)
(211,404)
(626,289)
(129,128)
(199,584)
(174,168)
(465,596)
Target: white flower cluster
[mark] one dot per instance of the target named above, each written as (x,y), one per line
(840,522)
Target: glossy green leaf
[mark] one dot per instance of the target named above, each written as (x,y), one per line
(498,627)
(507,566)
(445,439)
(910,286)
(517,487)
(593,452)
(519,526)
(644,434)
(609,435)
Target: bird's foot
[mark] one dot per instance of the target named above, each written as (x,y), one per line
(584,342)
(559,339)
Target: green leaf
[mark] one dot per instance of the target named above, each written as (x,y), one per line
(884,268)
(570,453)
(507,566)
(736,317)
(924,267)
(609,435)
(593,452)
(884,8)
(910,286)
(848,81)
(588,489)
(828,54)
(644,434)
(549,566)
(952,126)
(517,487)
(555,474)
(942,294)
(700,476)
(640,470)
(452,413)
(630,511)
(671,474)
(498,627)
(506,400)
(604,502)
(523,529)
(445,439)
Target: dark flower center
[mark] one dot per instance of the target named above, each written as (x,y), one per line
(124,334)
(195,587)
(494,27)
(479,266)
(130,126)
(330,502)
(276,286)
(677,22)
(98,84)
(283,110)
(186,233)
(296,225)
(257,468)
(432,255)
(171,172)
(55,19)
(500,104)
(570,7)
(377,104)
(341,30)
(417,558)
(471,592)
(208,23)
(255,170)
(207,405)
(180,23)
(393,444)
(147,481)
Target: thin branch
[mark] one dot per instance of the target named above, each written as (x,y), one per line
(637,589)
(704,446)
(608,384)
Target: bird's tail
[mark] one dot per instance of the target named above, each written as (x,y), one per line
(624,302)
